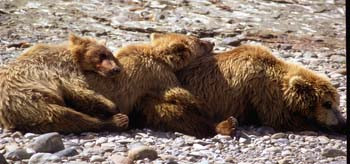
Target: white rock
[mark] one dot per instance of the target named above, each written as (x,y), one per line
(43,158)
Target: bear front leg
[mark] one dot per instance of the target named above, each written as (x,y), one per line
(88,101)
(57,118)
(174,109)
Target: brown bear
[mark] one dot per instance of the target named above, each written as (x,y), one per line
(149,91)
(44,89)
(255,87)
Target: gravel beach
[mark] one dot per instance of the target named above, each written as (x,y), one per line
(308,32)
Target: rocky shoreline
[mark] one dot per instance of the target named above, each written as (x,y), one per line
(310,33)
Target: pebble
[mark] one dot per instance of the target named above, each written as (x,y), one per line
(2,159)
(323,139)
(19,154)
(198,147)
(68,152)
(278,135)
(118,159)
(30,135)
(338,58)
(286,153)
(101,140)
(319,46)
(244,140)
(43,158)
(141,152)
(11,147)
(96,158)
(273,149)
(284,161)
(48,143)
(341,71)
(333,153)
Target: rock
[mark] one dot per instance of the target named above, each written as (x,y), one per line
(96,158)
(309,55)
(341,71)
(233,41)
(284,161)
(19,154)
(286,153)
(43,158)
(108,147)
(101,140)
(118,159)
(68,152)
(2,159)
(17,134)
(30,135)
(338,58)
(141,152)
(329,153)
(279,135)
(198,147)
(338,162)
(244,140)
(229,159)
(323,139)
(273,149)
(48,143)
(11,147)
(285,46)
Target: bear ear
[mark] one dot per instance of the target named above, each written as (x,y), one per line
(177,48)
(299,83)
(75,40)
(155,36)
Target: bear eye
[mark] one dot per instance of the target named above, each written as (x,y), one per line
(327,104)
(103,56)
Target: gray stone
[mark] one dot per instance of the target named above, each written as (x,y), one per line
(273,149)
(30,135)
(338,162)
(118,159)
(43,158)
(309,55)
(323,139)
(19,154)
(284,161)
(233,41)
(96,158)
(11,147)
(338,58)
(198,147)
(279,135)
(141,152)
(333,153)
(48,143)
(244,140)
(2,159)
(68,152)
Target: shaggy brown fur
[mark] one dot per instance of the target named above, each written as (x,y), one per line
(148,80)
(44,89)
(254,86)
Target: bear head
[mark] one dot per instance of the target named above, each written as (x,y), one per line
(94,56)
(312,101)
(178,50)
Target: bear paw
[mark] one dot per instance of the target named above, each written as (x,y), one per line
(227,127)
(121,121)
